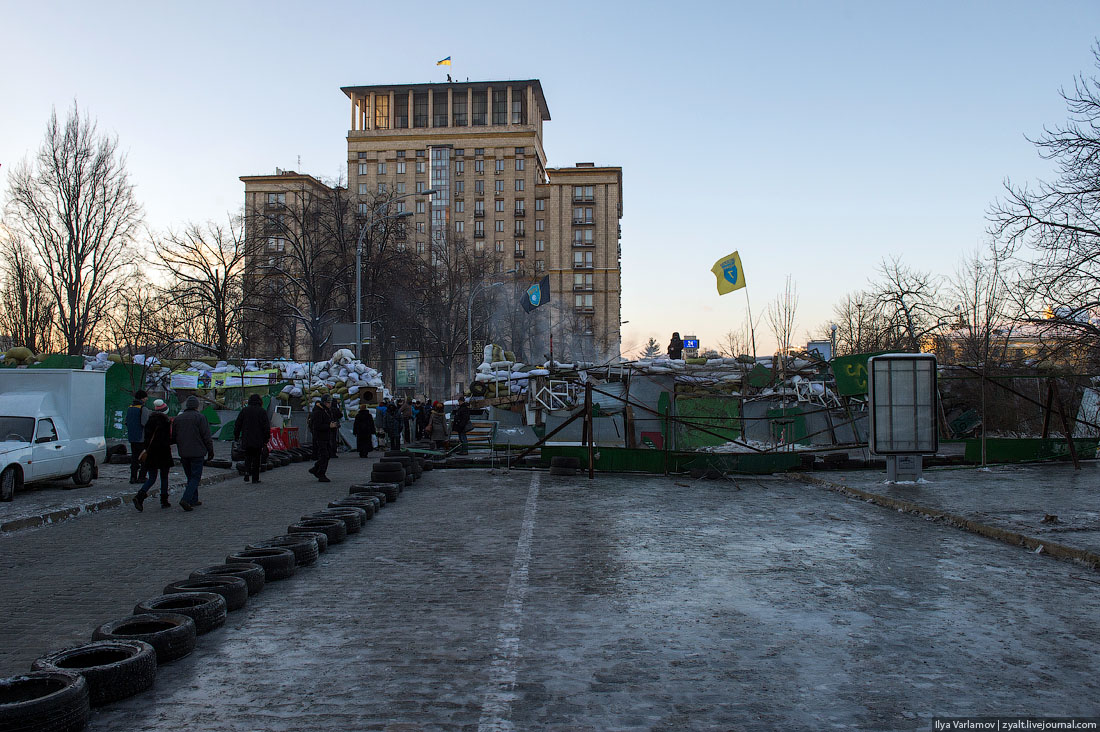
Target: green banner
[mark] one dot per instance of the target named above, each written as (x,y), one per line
(851,373)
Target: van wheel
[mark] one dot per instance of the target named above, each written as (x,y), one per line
(84,473)
(8,479)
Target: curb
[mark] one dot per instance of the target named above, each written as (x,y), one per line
(1014,538)
(56,516)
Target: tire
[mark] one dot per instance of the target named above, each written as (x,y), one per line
(388,470)
(565,462)
(554,470)
(388,478)
(319,536)
(353,518)
(252,574)
(207,609)
(233,589)
(304,547)
(370,492)
(367,503)
(223,464)
(50,701)
(278,564)
(426,465)
(85,472)
(113,669)
(389,489)
(9,481)
(477,389)
(334,528)
(172,636)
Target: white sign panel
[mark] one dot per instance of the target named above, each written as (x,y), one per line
(902,396)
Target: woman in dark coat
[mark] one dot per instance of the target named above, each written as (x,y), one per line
(363,429)
(158,454)
(675,347)
(253,429)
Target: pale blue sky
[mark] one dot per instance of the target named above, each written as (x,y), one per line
(815,138)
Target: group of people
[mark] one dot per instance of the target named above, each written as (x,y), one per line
(151,434)
(410,420)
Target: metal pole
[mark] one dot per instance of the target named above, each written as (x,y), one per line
(359,298)
(470,336)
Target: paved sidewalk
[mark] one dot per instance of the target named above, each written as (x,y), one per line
(1012,500)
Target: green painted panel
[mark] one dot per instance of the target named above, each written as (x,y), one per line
(851,373)
(787,425)
(714,413)
(60,361)
(211,416)
(760,376)
(120,383)
(1018,450)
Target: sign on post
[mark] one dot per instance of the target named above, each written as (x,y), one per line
(408,369)
(902,399)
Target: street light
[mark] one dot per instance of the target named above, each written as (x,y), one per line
(359,262)
(470,326)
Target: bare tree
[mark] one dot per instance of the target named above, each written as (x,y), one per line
(205,265)
(909,300)
(27,314)
(736,342)
(781,314)
(75,206)
(982,327)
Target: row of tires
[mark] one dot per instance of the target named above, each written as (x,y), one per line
(123,656)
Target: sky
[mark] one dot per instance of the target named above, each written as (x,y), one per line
(815,138)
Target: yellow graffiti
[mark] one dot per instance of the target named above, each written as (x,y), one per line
(858,371)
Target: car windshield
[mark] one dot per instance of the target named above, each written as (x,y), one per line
(17,429)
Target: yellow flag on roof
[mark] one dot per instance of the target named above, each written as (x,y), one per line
(729,273)
(444,62)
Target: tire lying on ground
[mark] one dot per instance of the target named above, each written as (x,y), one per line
(113,669)
(396,474)
(367,503)
(278,563)
(319,536)
(233,589)
(367,489)
(50,701)
(391,490)
(252,574)
(304,547)
(207,609)
(334,528)
(171,635)
(219,463)
(353,518)
(565,462)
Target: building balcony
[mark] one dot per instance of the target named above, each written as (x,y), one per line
(583,288)
(583,222)
(583,265)
(479,214)
(584,199)
(584,244)
(585,310)
(274,206)
(520,213)
(520,254)
(479,234)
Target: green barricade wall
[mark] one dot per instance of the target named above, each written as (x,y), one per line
(1019,450)
(716,414)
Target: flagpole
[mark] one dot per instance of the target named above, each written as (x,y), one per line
(752,329)
(550,319)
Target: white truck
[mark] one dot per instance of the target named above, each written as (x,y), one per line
(51,426)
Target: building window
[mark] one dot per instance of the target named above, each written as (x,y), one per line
(499,266)
(460,227)
(479,151)
(460,188)
(458,112)
(540,204)
(500,166)
(519,163)
(582,281)
(519,109)
(363,211)
(479,186)
(420,109)
(499,186)
(479,229)
(519,249)
(540,265)
(519,151)
(421,166)
(540,245)
(363,189)
(420,207)
(582,237)
(421,186)
(363,168)
(381,112)
(583,301)
(400,154)
(479,246)
(520,210)
(500,245)
(362,155)
(400,187)
(479,166)
(381,169)
(381,187)
(500,224)
(276,199)
(459,152)
(401,167)
(439,109)
(400,207)
(584,194)
(420,247)
(479,207)
(276,244)
(401,246)
(582,214)
(521,228)
(421,153)
(499,205)
(460,167)
(500,106)
(401,111)
(480,112)
(460,206)
(582,260)
(419,227)
(519,184)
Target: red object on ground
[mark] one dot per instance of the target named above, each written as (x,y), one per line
(283,438)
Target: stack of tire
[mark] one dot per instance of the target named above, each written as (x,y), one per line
(389,472)
(412,468)
(564,465)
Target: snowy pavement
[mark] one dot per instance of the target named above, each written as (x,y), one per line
(524,601)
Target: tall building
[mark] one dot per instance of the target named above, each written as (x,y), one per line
(479,146)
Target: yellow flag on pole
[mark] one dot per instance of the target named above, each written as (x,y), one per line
(729,273)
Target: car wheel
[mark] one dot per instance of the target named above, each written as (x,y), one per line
(8,479)
(85,472)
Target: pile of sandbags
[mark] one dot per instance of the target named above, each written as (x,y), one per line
(343,377)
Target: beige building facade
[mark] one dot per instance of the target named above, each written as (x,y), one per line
(479,147)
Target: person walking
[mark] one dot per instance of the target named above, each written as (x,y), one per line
(363,429)
(437,426)
(253,429)
(460,422)
(136,417)
(191,433)
(406,419)
(337,417)
(423,413)
(391,423)
(156,457)
(675,347)
(321,425)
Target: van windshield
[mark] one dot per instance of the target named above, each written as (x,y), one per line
(17,429)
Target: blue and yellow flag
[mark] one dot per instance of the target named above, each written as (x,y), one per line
(729,273)
(444,62)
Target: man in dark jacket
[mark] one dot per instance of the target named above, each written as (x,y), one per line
(406,418)
(191,433)
(158,455)
(363,429)
(337,417)
(136,417)
(460,423)
(321,425)
(392,424)
(423,413)
(253,429)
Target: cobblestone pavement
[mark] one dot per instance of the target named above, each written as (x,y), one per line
(524,601)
